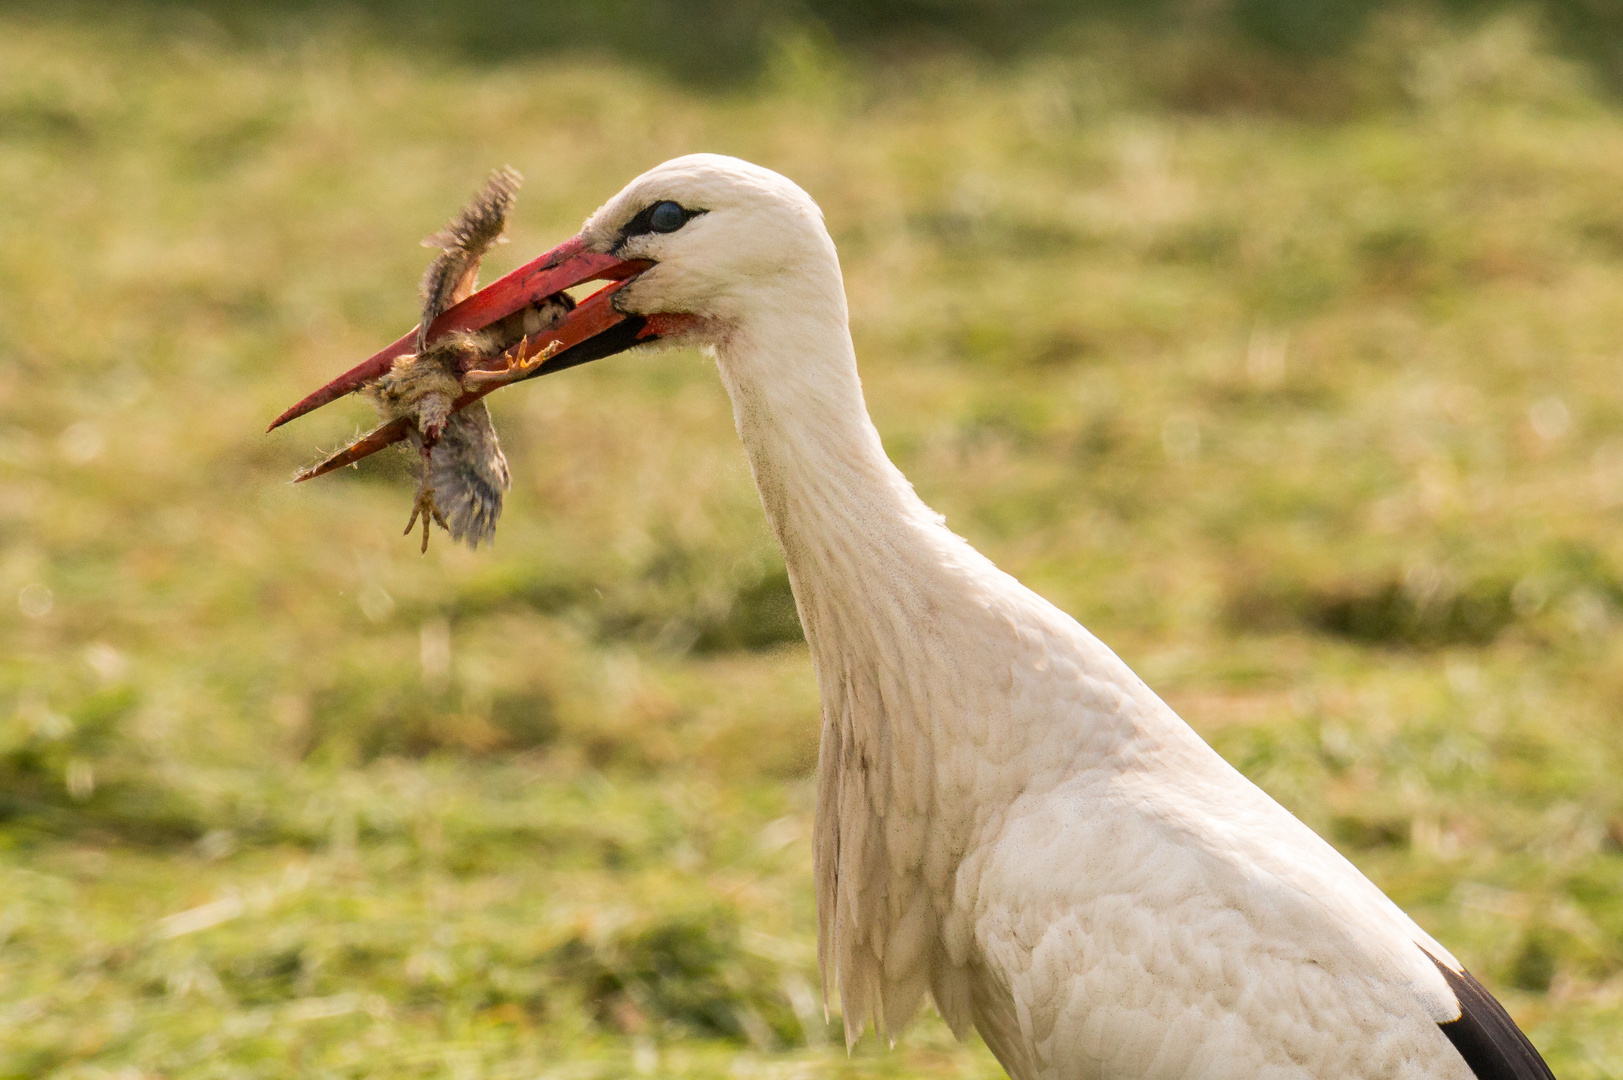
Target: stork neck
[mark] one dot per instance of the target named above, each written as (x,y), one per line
(823,476)
(866,558)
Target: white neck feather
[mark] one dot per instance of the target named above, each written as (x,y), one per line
(896,610)
(854,534)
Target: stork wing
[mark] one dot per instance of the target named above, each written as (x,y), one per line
(1485,1035)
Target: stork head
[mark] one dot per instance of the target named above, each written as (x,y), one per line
(723,236)
(691,250)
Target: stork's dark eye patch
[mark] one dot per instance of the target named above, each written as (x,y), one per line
(661,217)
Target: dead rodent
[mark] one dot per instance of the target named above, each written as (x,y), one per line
(461,471)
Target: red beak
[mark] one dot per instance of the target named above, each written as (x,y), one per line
(592,330)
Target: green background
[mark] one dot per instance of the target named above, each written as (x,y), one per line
(1287,361)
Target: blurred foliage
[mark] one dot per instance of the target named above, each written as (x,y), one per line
(1294,381)
(689,972)
(726,43)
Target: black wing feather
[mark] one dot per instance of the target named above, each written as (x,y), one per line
(1485,1035)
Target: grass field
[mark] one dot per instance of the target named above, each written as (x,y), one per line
(1315,417)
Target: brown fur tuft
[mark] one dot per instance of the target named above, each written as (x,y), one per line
(454,273)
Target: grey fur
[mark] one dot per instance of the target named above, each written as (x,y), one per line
(467,472)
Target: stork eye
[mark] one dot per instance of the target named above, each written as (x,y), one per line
(667,217)
(661,217)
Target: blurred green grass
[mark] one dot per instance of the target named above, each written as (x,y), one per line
(1261,51)
(1316,421)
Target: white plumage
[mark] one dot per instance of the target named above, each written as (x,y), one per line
(1008,819)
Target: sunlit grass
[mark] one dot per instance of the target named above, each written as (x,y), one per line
(1317,423)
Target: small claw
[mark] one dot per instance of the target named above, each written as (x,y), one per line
(417,511)
(428,510)
(518,366)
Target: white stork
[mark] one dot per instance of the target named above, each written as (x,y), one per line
(1008,819)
